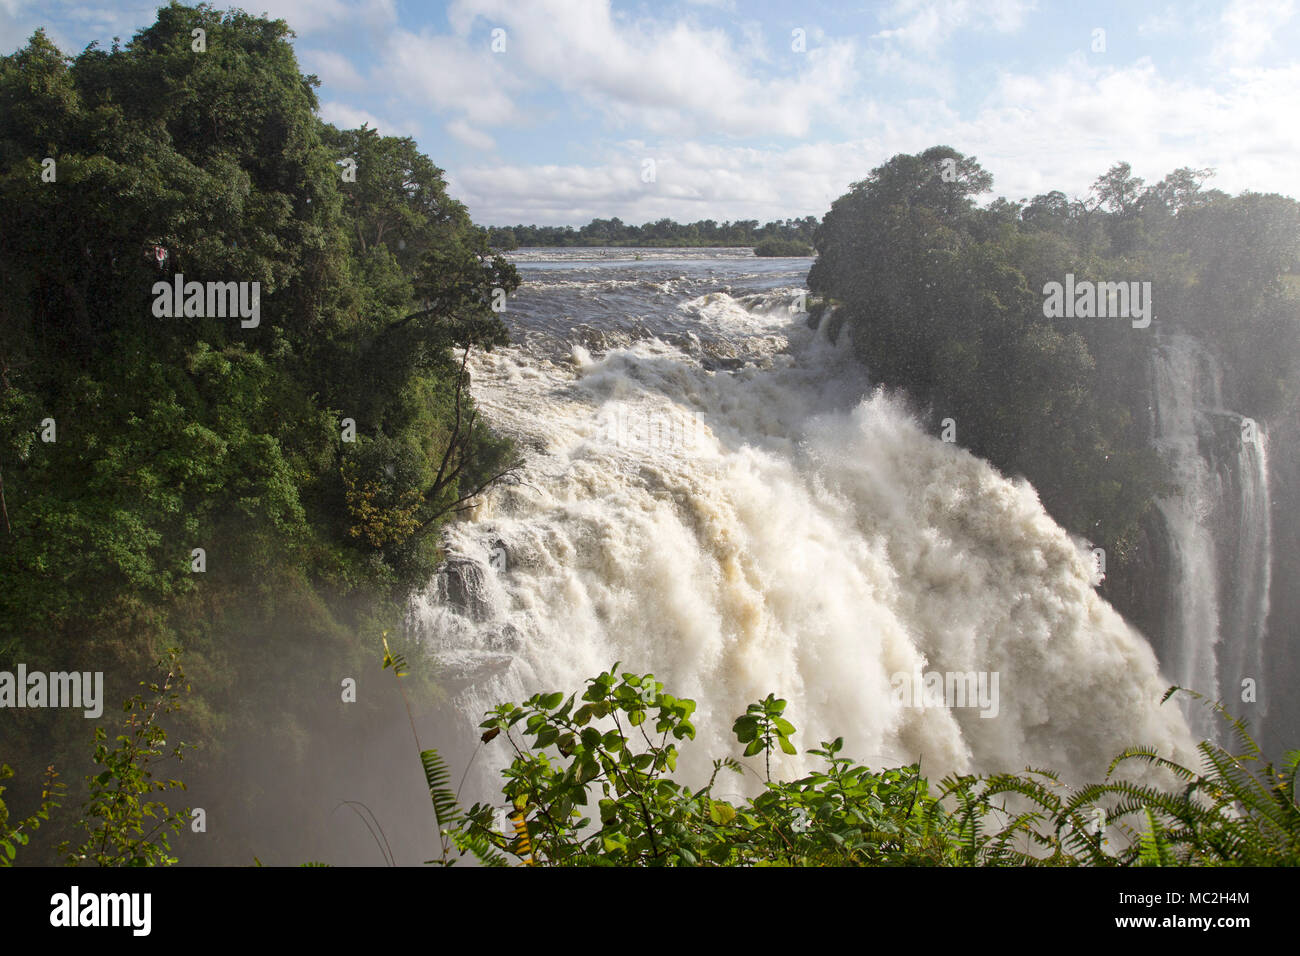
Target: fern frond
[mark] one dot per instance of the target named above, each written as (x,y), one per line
(1151,756)
(476,843)
(446,807)
(1154,851)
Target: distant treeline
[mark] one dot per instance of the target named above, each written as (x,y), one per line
(665,232)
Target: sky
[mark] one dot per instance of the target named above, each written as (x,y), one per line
(559,111)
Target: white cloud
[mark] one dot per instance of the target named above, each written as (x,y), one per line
(334,69)
(917,30)
(1166,22)
(441,72)
(72,25)
(470,136)
(726,113)
(673,78)
(928,24)
(1063,129)
(348,117)
(121,20)
(75,25)
(1059,130)
(313,16)
(1247,27)
(693,181)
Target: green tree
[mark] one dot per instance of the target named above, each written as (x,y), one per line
(197,434)
(123,827)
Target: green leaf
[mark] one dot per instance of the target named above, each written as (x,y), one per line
(745,728)
(722,813)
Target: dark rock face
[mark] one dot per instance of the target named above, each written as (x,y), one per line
(1141,591)
(462,585)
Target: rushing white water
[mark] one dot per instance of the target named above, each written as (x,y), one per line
(774,528)
(1219,530)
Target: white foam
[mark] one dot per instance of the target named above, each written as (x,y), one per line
(809,540)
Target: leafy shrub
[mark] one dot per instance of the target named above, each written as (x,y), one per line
(591,783)
(123,826)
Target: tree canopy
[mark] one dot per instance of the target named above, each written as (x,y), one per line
(199,478)
(945,299)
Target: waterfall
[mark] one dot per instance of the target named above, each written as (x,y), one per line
(1219,532)
(777,526)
